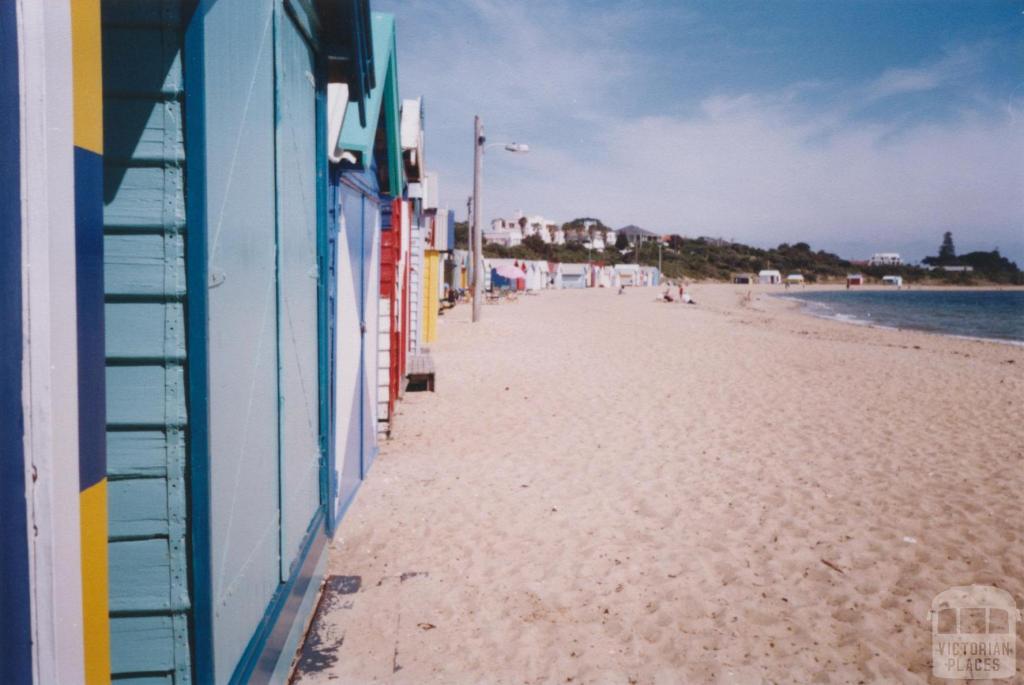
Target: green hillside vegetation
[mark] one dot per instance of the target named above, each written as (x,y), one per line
(716,259)
(990,267)
(696,258)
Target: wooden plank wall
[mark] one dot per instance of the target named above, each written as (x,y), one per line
(144,263)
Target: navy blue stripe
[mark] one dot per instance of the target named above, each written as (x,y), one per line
(15,607)
(323,295)
(92,449)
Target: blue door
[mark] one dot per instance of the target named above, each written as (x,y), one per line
(297,325)
(349,372)
(244,549)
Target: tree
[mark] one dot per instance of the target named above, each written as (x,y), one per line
(947,253)
(536,244)
(462,234)
(621,241)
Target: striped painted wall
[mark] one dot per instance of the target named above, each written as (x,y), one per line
(388,326)
(143,216)
(415,303)
(92,459)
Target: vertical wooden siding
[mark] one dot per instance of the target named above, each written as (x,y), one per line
(429,295)
(144,264)
(415,283)
(298,279)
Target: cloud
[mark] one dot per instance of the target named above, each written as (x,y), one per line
(954,67)
(801,162)
(756,171)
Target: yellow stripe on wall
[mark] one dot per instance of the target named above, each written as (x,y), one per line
(431,301)
(95,602)
(87,72)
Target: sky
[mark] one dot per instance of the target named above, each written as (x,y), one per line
(858,127)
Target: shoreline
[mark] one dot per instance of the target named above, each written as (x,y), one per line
(803,308)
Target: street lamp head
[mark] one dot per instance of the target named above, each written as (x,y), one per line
(517,147)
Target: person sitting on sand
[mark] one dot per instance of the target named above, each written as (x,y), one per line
(667,295)
(622,290)
(684,297)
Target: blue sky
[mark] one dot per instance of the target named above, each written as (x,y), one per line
(855,126)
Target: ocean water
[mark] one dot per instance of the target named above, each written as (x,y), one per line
(992,314)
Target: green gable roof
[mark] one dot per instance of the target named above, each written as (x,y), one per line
(383,97)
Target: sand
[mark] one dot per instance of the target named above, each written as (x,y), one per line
(605,489)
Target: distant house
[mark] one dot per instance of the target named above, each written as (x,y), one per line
(744,279)
(893,280)
(590,233)
(502,234)
(952,269)
(854,279)
(512,232)
(769,277)
(794,279)
(635,234)
(885,259)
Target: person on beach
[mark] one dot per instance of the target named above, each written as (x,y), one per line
(684,297)
(667,295)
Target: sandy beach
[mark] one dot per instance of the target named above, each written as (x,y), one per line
(606,489)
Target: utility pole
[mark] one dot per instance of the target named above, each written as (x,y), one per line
(587,225)
(478,242)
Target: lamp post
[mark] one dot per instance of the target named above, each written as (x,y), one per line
(587,225)
(479,143)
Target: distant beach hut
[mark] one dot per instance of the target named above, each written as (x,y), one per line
(605,277)
(854,279)
(574,275)
(629,274)
(520,280)
(769,277)
(534,281)
(555,274)
(651,276)
(511,273)
(462,268)
(893,280)
(611,277)
(794,279)
(744,279)
(543,273)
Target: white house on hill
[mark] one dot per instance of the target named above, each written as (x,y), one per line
(885,259)
(513,231)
